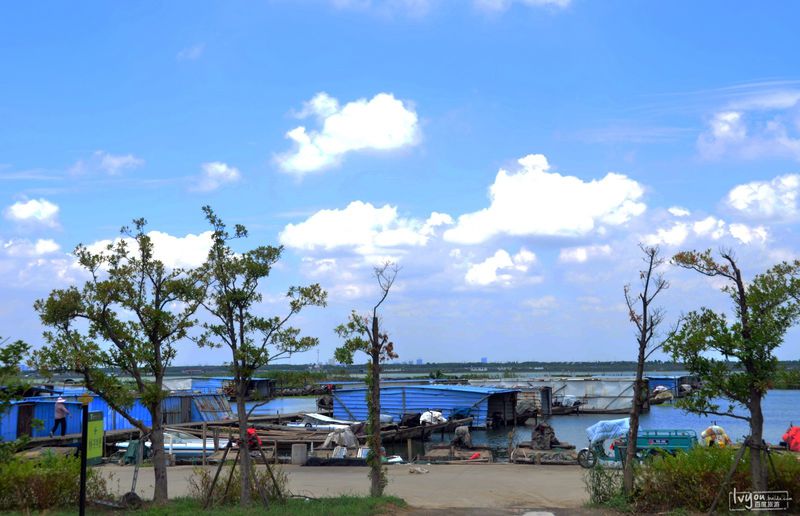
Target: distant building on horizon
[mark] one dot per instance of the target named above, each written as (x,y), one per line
(419,361)
(484,360)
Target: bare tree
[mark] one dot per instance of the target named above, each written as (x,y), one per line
(646,318)
(363,333)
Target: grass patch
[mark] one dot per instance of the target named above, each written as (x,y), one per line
(340,506)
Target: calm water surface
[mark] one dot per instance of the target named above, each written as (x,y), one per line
(780,409)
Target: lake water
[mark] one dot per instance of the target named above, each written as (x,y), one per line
(780,408)
(291,405)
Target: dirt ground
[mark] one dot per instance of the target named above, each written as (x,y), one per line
(501,488)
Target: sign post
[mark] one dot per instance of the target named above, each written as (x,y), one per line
(94,446)
(85,399)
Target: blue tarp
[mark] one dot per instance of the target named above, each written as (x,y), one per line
(603,430)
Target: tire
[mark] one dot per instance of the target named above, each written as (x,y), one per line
(309,426)
(587,458)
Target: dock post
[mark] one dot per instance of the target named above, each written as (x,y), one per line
(205,428)
(216,438)
(410,449)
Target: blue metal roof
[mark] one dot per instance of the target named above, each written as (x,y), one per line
(401,400)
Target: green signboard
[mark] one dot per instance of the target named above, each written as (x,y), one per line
(94,447)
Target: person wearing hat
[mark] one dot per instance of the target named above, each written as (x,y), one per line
(61,417)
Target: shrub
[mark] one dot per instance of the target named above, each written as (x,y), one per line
(604,485)
(200,484)
(50,481)
(691,480)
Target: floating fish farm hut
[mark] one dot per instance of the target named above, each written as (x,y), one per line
(483,404)
(260,388)
(597,395)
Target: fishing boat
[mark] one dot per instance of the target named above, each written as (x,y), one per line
(315,421)
(181,445)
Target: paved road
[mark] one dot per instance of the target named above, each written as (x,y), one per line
(489,486)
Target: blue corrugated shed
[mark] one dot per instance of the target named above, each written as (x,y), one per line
(200,407)
(397,401)
(8,424)
(44,411)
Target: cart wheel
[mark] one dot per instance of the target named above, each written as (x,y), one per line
(587,458)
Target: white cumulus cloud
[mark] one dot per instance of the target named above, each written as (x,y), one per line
(747,235)
(709,227)
(775,199)
(582,254)
(677,211)
(381,123)
(40,211)
(499,268)
(216,174)
(362,227)
(533,201)
(40,247)
(672,236)
(174,251)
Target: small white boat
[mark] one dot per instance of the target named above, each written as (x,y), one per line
(314,421)
(182,445)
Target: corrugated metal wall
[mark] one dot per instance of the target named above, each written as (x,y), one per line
(44,411)
(351,404)
(8,424)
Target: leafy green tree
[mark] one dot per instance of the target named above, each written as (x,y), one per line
(254,341)
(120,328)
(735,358)
(11,384)
(363,333)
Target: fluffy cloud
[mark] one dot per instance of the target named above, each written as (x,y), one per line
(747,235)
(582,254)
(535,202)
(187,251)
(759,124)
(673,236)
(499,267)
(362,227)
(677,211)
(40,211)
(707,228)
(216,174)
(27,248)
(103,161)
(381,123)
(775,199)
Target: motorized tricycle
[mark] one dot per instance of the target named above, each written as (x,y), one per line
(649,443)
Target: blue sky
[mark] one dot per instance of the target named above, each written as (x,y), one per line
(510,155)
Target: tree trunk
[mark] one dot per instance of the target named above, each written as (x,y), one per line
(160,493)
(376,473)
(636,408)
(758,470)
(244,457)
